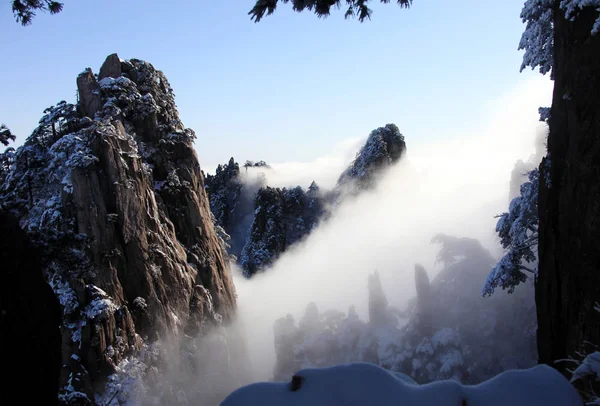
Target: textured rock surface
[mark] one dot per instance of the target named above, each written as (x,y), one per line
(224,189)
(117,203)
(111,68)
(424,319)
(89,94)
(232,202)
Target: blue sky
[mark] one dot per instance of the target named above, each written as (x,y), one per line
(287,89)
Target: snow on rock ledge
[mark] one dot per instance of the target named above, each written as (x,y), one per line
(366,384)
(129,263)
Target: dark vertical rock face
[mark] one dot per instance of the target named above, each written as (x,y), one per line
(111,68)
(378,303)
(423,301)
(568,283)
(267,237)
(232,203)
(118,205)
(224,189)
(30,317)
(89,93)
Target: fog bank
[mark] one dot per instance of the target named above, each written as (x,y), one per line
(455,186)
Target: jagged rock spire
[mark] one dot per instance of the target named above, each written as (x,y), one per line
(378,303)
(115,197)
(88,90)
(424,305)
(111,68)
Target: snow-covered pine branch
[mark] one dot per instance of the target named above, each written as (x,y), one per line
(538,38)
(518,235)
(5,135)
(573,7)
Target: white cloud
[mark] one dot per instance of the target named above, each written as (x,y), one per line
(324,170)
(455,186)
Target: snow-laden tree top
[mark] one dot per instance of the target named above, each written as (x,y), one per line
(366,384)
(538,38)
(384,147)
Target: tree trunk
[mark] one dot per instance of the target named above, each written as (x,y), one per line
(568,283)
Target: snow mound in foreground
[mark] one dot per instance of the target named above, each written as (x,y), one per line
(367,384)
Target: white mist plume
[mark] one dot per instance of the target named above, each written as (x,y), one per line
(454,186)
(324,170)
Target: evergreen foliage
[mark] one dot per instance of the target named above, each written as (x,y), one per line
(25,10)
(322,8)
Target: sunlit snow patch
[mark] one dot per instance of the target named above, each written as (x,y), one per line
(366,384)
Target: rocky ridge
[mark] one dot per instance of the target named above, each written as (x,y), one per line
(112,193)
(264,221)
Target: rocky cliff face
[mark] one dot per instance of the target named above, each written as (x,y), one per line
(260,221)
(232,202)
(281,217)
(112,192)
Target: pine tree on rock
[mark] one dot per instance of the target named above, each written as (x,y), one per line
(57,121)
(5,135)
(384,147)
(224,188)
(282,217)
(7,160)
